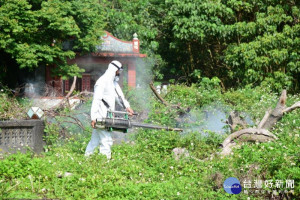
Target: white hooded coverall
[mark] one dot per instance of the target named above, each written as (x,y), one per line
(108,90)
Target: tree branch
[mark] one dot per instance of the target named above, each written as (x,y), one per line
(263,121)
(157,95)
(250,134)
(246,135)
(68,95)
(72,87)
(293,107)
(276,114)
(260,134)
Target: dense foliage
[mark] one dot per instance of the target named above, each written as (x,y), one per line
(145,167)
(32,33)
(240,42)
(253,42)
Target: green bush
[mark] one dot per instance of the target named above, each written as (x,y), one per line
(197,95)
(12,108)
(254,101)
(145,168)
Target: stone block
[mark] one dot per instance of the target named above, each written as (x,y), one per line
(19,135)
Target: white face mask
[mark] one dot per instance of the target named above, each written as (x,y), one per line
(117,78)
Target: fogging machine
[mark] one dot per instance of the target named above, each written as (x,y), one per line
(119,121)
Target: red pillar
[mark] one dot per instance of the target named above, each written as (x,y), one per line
(55,82)
(48,75)
(131,75)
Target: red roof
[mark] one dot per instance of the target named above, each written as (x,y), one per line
(114,47)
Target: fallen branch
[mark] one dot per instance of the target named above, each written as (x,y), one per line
(261,133)
(75,123)
(293,107)
(60,120)
(274,116)
(250,134)
(67,98)
(53,113)
(246,135)
(158,96)
(265,118)
(181,111)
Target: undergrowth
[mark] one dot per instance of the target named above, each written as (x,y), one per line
(145,168)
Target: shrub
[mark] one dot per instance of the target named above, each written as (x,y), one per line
(12,108)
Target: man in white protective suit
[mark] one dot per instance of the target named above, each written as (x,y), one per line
(106,92)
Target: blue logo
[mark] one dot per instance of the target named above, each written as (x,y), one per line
(232,186)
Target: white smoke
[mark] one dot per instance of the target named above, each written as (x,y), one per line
(210,118)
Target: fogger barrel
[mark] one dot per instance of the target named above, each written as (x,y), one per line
(124,124)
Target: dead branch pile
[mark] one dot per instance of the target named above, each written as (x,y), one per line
(261,133)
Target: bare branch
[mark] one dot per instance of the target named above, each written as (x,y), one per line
(276,114)
(259,134)
(249,134)
(84,93)
(265,118)
(157,95)
(181,110)
(293,107)
(72,87)
(246,135)
(282,99)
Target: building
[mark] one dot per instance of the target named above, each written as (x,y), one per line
(95,64)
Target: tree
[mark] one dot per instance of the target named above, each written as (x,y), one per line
(241,42)
(124,18)
(267,50)
(197,37)
(34,32)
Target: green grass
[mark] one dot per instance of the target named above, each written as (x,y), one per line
(147,169)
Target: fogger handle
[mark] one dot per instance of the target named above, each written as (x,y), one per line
(122,112)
